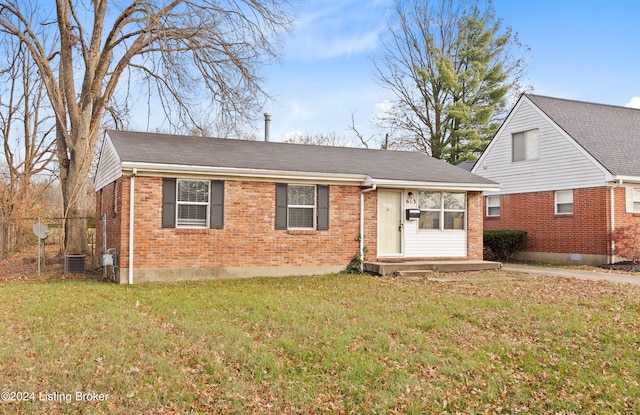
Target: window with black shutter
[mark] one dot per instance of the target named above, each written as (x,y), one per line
(192,203)
(302,207)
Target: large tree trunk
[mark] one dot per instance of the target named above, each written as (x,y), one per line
(74,192)
(75,164)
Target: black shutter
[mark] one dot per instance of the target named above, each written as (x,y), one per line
(217,204)
(281,205)
(168,203)
(323,208)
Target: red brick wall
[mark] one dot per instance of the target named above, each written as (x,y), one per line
(586,231)
(624,219)
(109,208)
(249,237)
(371,225)
(474,225)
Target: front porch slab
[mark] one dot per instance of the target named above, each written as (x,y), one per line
(392,267)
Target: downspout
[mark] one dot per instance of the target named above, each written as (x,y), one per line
(613,215)
(131,217)
(361,250)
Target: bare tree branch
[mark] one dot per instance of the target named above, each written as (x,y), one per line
(188,50)
(25,129)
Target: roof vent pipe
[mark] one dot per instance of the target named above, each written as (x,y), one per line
(267,122)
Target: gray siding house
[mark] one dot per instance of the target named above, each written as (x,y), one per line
(570,176)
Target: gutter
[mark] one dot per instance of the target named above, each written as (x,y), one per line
(361,249)
(131,217)
(406,184)
(171,170)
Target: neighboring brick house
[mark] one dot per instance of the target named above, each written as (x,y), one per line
(569,175)
(211,207)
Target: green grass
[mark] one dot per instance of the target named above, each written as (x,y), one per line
(323,345)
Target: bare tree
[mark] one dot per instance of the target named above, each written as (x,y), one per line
(331,139)
(359,135)
(451,67)
(26,129)
(180,48)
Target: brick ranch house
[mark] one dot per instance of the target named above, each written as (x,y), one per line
(190,207)
(569,176)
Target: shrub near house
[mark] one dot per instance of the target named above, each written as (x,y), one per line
(501,245)
(627,242)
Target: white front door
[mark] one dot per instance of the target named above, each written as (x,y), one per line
(389,222)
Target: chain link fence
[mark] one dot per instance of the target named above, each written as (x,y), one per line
(8,238)
(21,235)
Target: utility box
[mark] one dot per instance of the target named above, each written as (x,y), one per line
(107,260)
(413,214)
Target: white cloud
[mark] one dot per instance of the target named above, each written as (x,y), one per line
(633,103)
(347,45)
(330,29)
(297,110)
(384,107)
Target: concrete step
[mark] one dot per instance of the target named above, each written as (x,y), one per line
(418,274)
(385,268)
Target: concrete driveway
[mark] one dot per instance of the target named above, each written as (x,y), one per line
(574,273)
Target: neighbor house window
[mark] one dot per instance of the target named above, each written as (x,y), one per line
(564,202)
(493,205)
(192,203)
(301,206)
(525,145)
(633,199)
(442,210)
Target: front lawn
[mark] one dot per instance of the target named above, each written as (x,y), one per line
(321,345)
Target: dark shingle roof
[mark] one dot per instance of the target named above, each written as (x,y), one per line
(609,133)
(466,165)
(177,150)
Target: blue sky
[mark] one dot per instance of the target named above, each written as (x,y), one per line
(584,50)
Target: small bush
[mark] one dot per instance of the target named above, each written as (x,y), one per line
(501,245)
(627,242)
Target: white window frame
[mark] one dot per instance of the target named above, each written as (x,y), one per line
(185,203)
(441,212)
(531,145)
(493,202)
(313,207)
(635,199)
(424,209)
(561,197)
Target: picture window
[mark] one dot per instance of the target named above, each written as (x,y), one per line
(442,210)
